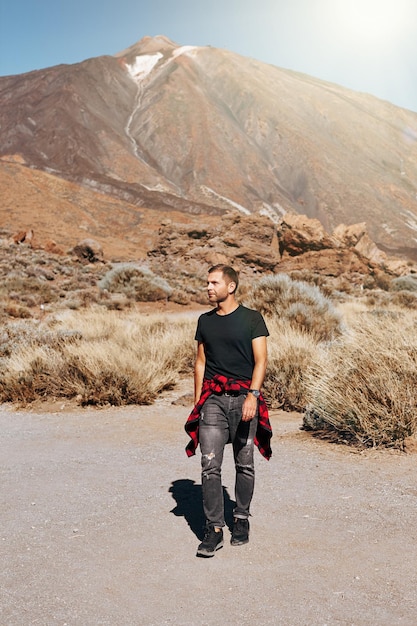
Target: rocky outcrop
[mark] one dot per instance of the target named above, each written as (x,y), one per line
(247,243)
(349,236)
(23,236)
(52,247)
(254,245)
(305,244)
(298,234)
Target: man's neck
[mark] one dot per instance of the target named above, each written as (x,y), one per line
(228,306)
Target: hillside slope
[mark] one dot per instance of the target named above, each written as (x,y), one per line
(202,131)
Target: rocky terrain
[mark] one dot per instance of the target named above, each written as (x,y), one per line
(297,245)
(43,276)
(110,147)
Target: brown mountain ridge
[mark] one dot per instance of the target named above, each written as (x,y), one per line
(109,147)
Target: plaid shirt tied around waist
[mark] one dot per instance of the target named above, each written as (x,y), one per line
(221,384)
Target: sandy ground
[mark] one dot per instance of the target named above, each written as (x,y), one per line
(101,512)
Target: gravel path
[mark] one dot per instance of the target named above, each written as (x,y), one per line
(101,510)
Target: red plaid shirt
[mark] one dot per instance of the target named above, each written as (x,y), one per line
(220,384)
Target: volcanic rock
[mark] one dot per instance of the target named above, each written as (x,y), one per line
(304,244)
(298,234)
(349,236)
(239,240)
(251,246)
(23,236)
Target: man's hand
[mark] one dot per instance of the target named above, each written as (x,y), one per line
(249,408)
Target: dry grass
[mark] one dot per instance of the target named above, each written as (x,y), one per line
(363,389)
(354,364)
(291,352)
(138,282)
(97,356)
(302,305)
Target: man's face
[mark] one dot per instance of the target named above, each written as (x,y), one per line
(218,289)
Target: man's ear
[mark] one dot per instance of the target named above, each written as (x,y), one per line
(231,287)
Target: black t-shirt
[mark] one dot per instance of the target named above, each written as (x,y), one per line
(227,341)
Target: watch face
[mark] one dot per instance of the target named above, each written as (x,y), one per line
(255,392)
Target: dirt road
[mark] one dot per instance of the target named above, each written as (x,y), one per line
(101,510)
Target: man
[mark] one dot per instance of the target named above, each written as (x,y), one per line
(228,375)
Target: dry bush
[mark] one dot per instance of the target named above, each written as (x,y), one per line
(405,299)
(20,287)
(115,301)
(308,276)
(179,297)
(382,281)
(404,283)
(290,353)
(378,299)
(392,300)
(363,389)
(301,304)
(13,309)
(100,356)
(138,282)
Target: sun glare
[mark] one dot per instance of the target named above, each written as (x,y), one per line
(371,22)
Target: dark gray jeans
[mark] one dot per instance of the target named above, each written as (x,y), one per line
(220,423)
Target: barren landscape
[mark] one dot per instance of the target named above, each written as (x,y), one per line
(101,514)
(122,180)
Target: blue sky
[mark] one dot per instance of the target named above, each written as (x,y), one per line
(366,45)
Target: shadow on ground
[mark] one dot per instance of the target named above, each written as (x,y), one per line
(189,498)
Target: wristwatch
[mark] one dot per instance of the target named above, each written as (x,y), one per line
(255,392)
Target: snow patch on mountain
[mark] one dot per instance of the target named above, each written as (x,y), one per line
(143,65)
(411,221)
(184,50)
(274,212)
(208,191)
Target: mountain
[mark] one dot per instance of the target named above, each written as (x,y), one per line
(116,143)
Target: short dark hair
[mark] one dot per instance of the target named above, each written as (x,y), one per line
(227,271)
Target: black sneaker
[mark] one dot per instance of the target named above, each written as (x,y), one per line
(212,541)
(240,533)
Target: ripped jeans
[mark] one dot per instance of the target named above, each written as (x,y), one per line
(221,423)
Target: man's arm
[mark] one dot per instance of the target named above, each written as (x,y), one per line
(260,355)
(199,367)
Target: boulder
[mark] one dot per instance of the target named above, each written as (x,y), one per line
(335,262)
(367,248)
(349,236)
(298,234)
(356,236)
(51,246)
(244,241)
(88,250)
(348,251)
(23,236)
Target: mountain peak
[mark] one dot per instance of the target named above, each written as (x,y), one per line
(148,45)
(203,131)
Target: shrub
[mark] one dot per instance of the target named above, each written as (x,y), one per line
(382,281)
(308,276)
(290,353)
(179,297)
(98,356)
(378,299)
(301,304)
(404,283)
(363,389)
(17,310)
(137,282)
(405,299)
